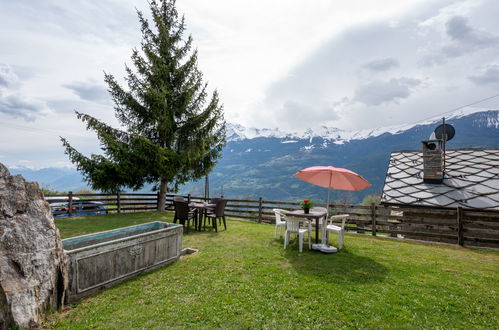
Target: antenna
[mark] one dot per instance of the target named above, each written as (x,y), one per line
(444,130)
(443,138)
(434,153)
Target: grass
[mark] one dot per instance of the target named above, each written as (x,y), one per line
(243,278)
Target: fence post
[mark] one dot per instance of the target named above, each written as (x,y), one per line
(373,218)
(188,198)
(157,201)
(70,204)
(460,231)
(359,224)
(260,207)
(118,201)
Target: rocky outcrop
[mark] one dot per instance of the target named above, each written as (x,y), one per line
(32,266)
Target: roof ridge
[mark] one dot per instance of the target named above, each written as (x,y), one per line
(449,149)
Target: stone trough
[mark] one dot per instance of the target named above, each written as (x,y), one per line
(103,259)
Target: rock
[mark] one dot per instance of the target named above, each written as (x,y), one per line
(32,265)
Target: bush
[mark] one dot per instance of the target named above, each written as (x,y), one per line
(369,199)
(46,190)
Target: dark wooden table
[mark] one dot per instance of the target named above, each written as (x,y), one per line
(311,216)
(200,208)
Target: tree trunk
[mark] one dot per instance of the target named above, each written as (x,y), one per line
(163,189)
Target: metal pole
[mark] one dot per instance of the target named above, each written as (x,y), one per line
(328,191)
(444,136)
(324,224)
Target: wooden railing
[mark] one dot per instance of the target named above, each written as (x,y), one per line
(468,227)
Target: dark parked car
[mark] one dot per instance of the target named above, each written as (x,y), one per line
(80,207)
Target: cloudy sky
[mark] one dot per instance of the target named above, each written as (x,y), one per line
(289,64)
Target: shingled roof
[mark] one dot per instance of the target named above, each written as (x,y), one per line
(471,180)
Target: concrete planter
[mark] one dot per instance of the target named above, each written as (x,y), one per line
(104,259)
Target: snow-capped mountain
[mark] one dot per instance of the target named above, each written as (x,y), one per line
(237,132)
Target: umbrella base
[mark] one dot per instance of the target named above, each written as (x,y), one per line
(324,248)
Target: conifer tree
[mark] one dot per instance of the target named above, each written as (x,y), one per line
(171,133)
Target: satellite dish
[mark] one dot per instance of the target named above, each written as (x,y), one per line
(449,131)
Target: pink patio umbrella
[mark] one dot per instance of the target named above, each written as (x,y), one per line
(332,178)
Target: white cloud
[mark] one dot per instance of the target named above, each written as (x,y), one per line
(466,39)
(382,64)
(379,91)
(294,112)
(489,76)
(90,91)
(372,75)
(17,105)
(14,102)
(7,76)
(275,63)
(460,30)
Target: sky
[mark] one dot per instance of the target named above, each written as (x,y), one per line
(288,64)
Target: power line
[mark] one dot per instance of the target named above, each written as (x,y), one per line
(458,108)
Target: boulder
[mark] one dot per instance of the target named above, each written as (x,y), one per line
(32,265)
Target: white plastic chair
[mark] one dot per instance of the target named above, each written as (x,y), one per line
(337,229)
(293,226)
(280,221)
(320,209)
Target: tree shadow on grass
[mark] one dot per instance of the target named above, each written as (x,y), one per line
(343,267)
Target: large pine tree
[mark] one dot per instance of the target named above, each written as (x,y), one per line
(171,133)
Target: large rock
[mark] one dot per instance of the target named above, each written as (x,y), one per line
(32,267)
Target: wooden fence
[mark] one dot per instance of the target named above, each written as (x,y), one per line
(468,227)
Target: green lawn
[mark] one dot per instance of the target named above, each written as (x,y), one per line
(243,278)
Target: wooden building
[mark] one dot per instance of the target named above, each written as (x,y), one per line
(419,182)
(468,178)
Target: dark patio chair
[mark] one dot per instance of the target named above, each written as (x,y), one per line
(183,213)
(217,214)
(212,201)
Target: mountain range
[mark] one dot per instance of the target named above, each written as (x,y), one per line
(261,162)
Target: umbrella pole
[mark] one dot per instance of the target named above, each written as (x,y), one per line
(327,206)
(328,191)
(324,224)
